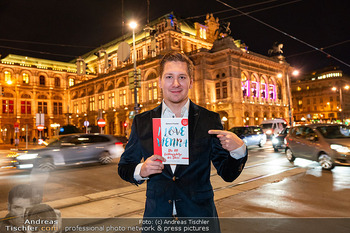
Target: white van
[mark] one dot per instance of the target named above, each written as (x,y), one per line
(273,127)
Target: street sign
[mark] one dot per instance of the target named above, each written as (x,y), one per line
(40,127)
(101,123)
(40,119)
(86,123)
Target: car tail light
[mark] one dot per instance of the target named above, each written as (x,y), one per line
(118,143)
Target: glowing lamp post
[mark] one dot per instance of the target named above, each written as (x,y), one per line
(341,100)
(133,25)
(294,73)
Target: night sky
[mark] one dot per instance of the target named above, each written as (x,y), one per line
(64,29)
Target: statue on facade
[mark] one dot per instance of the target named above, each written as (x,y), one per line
(276,49)
(223,30)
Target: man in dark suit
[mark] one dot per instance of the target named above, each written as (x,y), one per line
(181,190)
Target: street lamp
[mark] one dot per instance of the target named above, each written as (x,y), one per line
(133,25)
(294,73)
(341,100)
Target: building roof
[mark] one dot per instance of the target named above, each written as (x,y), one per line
(13,59)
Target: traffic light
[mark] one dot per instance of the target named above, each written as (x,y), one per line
(125,124)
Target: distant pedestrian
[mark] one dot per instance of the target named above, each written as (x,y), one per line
(34,140)
(11,140)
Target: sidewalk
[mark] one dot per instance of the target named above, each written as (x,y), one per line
(21,146)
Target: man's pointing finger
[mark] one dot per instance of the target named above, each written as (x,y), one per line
(216,131)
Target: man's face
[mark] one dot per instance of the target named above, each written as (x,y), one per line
(175,82)
(18,208)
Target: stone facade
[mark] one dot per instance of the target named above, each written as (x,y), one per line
(243,87)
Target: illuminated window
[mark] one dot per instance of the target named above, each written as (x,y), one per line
(263,88)
(152,91)
(83,106)
(139,54)
(71,82)
(254,87)
(203,33)
(298,88)
(26,107)
(272,91)
(138,95)
(155,91)
(300,102)
(92,103)
(122,97)
(101,102)
(8,76)
(7,106)
(25,78)
(245,84)
(111,100)
(307,87)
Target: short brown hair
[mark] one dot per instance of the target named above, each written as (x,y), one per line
(175,56)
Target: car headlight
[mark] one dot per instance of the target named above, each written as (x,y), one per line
(340,148)
(275,140)
(27,156)
(269,131)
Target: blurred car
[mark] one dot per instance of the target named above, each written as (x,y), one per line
(251,135)
(273,127)
(69,150)
(123,139)
(278,140)
(329,144)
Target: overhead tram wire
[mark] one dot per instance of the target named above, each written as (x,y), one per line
(262,9)
(51,44)
(242,7)
(40,52)
(323,48)
(284,33)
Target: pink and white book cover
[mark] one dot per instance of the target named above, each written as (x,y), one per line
(170,139)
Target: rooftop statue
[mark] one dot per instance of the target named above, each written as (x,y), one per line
(276,49)
(223,30)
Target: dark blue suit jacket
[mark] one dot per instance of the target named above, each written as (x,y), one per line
(190,185)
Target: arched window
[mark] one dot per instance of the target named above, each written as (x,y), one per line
(25,78)
(151,76)
(42,80)
(245,84)
(254,86)
(263,88)
(272,89)
(71,82)
(57,82)
(8,77)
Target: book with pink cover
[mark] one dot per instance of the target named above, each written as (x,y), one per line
(170,139)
